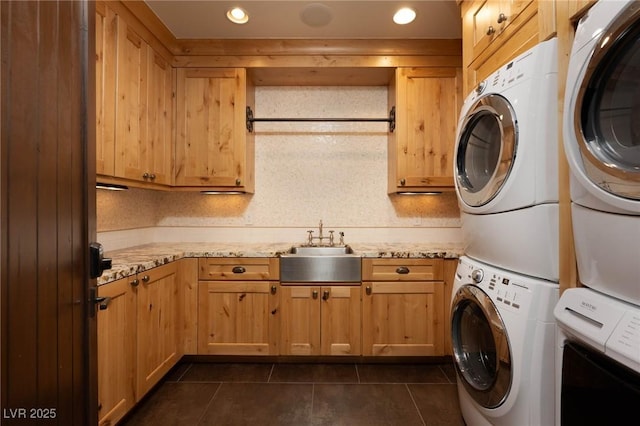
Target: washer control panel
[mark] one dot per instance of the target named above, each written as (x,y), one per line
(506,291)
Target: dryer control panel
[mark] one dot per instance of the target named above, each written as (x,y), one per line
(604,323)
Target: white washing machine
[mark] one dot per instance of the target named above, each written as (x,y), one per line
(503,334)
(505,166)
(601,135)
(598,359)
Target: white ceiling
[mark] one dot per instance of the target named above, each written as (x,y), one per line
(360,19)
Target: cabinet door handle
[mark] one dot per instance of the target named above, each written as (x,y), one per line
(152,176)
(146,278)
(402,270)
(325,295)
(314,294)
(135,282)
(491,30)
(238,270)
(274,289)
(145,176)
(367,290)
(501,18)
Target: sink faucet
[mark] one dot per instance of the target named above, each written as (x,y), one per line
(321,237)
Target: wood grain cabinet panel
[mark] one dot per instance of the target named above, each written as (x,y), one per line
(157,325)
(106,60)
(427,103)
(403,317)
(134,100)
(237,318)
(320,320)
(213,147)
(116,351)
(238,306)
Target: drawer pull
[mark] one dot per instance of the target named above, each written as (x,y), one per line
(135,282)
(314,294)
(402,270)
(146,278)
(368,290)
(325,295)
(238,270)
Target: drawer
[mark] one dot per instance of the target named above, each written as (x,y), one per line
(402,269)
(238,269)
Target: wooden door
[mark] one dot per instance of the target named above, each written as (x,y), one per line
(237,318)
(47,216)
(428,102)
(300,320)
(131,105)
(116,351)
(211,144)
(158,144)
(403,318)
(157,319)
(340,320)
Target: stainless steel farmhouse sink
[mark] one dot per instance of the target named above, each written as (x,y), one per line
(305,264)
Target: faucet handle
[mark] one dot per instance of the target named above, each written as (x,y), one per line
(310,237)
(331,237)
(341,238)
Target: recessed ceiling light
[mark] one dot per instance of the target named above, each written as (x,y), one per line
(237,15)
(404,16)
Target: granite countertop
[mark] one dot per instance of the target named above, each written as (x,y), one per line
(129,261)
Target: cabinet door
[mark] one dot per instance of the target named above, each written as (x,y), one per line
(403,318)
(212,145)
(116,352)
(428,101)
(157,338)
(158,145)
(237,318)
(106,43)
(299,320)
(340,320)
(131,105)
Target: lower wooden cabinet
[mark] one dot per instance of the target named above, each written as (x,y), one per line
(403,314)
(137,338)
(157,325)
(238,306)
(320,320)
(116,351)
(237,318)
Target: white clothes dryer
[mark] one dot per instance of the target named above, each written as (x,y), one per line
(601,133)
(598,359)
(505,166)
(503,337)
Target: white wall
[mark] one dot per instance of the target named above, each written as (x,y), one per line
(305,172)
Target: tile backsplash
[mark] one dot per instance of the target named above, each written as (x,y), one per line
(304,172)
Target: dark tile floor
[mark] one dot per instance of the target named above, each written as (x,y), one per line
(302,394)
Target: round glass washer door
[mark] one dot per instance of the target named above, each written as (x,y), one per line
(487,145)
(607,113)
(481,349)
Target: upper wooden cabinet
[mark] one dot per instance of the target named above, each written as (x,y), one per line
(496,31)
(213,146)
(106,60)
(134,100)
(427,103)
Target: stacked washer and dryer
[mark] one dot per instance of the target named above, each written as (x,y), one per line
(506,285)
(599,323)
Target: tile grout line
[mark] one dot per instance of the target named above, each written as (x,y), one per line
(273,366)
(415,405)
(204,412)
